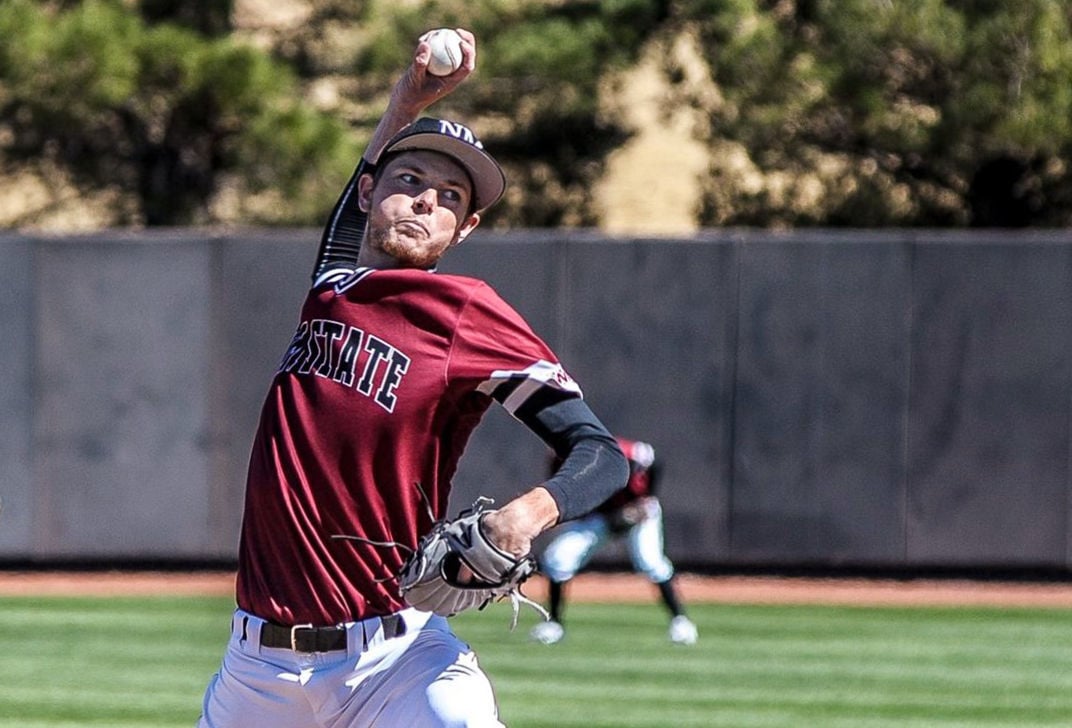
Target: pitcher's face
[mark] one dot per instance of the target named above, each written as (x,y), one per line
(418,208)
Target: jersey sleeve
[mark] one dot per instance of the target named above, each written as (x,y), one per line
(496,353)
(641,457)
(340,242)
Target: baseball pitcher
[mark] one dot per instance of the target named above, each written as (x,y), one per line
(349,564)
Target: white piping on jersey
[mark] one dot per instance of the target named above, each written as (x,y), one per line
(332,274)
(352,279)
(343,273)
(537,375)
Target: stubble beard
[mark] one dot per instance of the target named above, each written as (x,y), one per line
(404,249)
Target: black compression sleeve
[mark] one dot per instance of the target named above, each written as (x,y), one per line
(593,466)
(340,242)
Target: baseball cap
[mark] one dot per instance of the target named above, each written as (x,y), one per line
(459,143)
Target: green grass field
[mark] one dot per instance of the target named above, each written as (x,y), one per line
(145,662)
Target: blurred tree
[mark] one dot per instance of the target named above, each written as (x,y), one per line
(915,112)
(534,98)
(815,112)
(162,114)
(847,112)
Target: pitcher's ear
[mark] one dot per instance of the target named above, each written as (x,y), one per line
(364,192)
(465,228)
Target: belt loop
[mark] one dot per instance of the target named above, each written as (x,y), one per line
(355,638)
(253,634)
(394,625)
(238,626)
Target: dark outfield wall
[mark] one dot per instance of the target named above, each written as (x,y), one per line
(835,399)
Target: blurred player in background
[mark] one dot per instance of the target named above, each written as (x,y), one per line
(633,513)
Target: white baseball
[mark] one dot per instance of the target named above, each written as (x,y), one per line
(446,55)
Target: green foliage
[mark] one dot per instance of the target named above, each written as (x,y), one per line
(911,102)
(815,112)
(539,72)
(1021,59)
(71,69)
(158,111)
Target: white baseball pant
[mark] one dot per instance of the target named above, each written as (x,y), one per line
(577,541)
(425,678)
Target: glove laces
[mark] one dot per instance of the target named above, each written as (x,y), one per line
(517,599)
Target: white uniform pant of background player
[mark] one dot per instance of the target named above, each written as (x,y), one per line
(426,678)
(577,541)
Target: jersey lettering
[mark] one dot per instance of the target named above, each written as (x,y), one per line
(296,348)
(352,279)
(344,369)
(396,368)
(333,350)
(327,333)
(378,350)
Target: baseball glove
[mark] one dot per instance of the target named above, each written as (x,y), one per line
(429,578)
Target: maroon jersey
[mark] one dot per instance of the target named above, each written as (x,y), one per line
(385,379)
(641,483)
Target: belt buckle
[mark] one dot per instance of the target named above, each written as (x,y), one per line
(294,635)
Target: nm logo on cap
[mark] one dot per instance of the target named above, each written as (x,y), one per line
(459,131)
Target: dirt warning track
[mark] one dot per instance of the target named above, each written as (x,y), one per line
(601,587)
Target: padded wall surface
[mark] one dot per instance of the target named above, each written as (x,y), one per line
(121,360)
(989,418)
(17,326)
(649,324)
(889,399)
(822,390)
(258,285)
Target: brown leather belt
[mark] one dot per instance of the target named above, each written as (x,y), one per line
(307,638)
